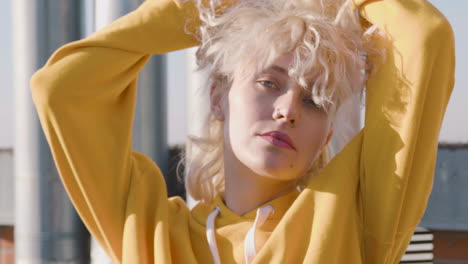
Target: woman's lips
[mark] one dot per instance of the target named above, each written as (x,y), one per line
(279,139)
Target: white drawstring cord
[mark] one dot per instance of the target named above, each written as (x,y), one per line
(250,250)
(210,234)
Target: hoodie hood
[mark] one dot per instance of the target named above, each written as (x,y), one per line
(252,229)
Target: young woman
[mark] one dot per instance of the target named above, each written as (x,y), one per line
(279,71)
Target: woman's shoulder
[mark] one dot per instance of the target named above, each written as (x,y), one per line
(178,206)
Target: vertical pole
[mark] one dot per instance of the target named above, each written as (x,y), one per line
(152,116)
(88,17)
(46,227)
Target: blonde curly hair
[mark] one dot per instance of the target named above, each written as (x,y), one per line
(325,38)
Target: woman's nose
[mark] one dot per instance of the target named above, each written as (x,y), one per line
(287,108)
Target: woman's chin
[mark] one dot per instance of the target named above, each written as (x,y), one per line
(276,169)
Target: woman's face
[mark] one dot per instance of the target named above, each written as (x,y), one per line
(271,124)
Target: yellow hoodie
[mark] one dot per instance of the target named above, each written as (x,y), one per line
(362,208)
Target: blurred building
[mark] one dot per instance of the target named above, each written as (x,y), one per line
(447,212)
(7,196)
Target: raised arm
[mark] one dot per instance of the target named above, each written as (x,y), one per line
(85,97)
(406,102)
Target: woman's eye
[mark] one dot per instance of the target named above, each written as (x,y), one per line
(310,101)
(267,84)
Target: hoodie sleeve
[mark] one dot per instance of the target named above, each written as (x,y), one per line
(85,98)
(406,102)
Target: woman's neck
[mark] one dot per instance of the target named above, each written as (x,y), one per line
(246,190)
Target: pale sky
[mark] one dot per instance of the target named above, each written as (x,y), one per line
(455,125)
(454,129)
(6,72)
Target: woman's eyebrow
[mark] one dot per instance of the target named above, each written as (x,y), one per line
(279,69)
(275,68)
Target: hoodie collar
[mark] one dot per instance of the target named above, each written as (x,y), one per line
(226,216)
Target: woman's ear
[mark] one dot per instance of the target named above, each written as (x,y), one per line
(216,105)
(330,135)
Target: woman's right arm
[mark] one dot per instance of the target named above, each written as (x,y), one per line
(85,98)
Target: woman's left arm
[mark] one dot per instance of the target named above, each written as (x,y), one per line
(405,105)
